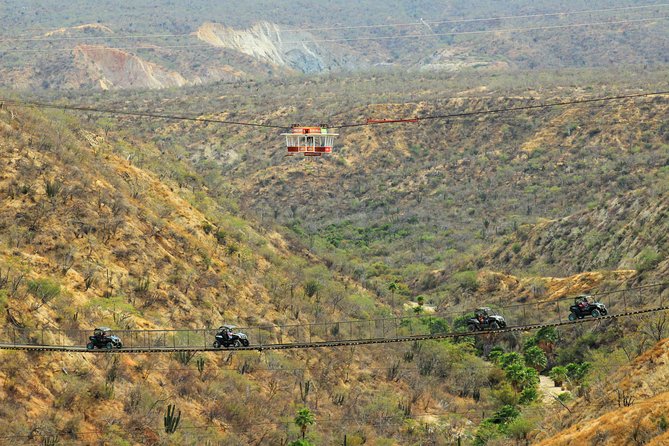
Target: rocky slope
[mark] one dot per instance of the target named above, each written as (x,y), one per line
(113,69)
(271,43)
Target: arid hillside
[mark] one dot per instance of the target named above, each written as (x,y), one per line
(397,202)
(630,408)
(629,231)
(89,239)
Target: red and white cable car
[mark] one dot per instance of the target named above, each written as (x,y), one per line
(309,141)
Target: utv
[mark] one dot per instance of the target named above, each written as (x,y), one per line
(225,337)
(584,305)
(102,339)
(486,319)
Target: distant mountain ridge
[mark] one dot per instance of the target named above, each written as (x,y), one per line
(252,40)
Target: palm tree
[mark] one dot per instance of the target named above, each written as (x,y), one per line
(536,358)
(392,287)
(303,419)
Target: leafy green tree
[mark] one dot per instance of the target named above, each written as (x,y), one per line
(505,414)
(536,358)
(558,374)
(528,395)
(578,372)
(521,376)
(304,419)
(495,354)
(508,359)
(44,289)
(437,325)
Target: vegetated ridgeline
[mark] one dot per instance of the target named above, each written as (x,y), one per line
(259,41)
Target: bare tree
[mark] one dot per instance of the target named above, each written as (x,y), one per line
(657,328)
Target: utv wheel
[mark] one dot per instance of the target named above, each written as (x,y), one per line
(595,313)
(245,342)
(572,317)
(119,345)
(109,346)
(471,327)
(494,326)
(237,343)
(90,346)
(217,344)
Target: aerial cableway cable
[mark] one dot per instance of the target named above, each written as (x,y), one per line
(80,108)
(360,39)
(165,116)
(421,23)
(50,38)
(506,109)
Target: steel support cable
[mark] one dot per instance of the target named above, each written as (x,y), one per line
(36,104)
(17,103)
(519,108)
(561,299)
(24,38)
(357,39)
(516,305)
(336,343)
(308,327)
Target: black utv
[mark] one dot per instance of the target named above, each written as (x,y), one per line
(585,305)
(486,319)
(226,337)
(103,339)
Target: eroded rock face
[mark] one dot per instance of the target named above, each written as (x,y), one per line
(115,69)
(270,43)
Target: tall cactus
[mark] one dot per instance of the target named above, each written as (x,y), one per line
(200,362)
(171,422)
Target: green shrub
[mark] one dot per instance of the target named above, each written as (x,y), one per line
(44,289)
(565,397)
(536,358)
(466,280)
(648,259)
(528,395)
(558,374)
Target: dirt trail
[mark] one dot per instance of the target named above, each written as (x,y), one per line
(548,389)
